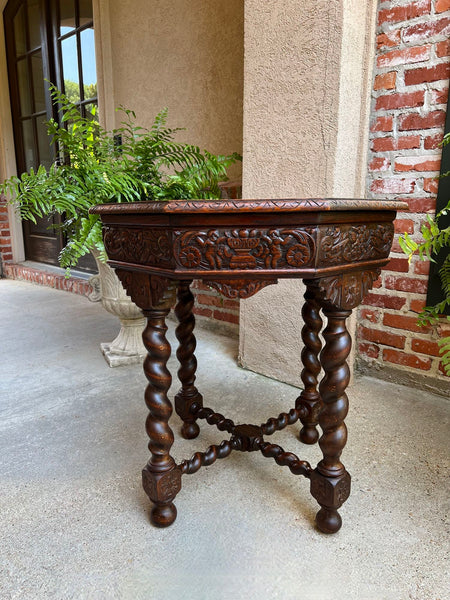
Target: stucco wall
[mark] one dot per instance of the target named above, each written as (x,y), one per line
(184,54)
(306,101)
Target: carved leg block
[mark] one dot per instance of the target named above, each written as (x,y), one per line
(330,493)
(161,488)
(188,394)
(183,404)
(309,400)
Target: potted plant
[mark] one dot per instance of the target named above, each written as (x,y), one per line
(436,239)
(94,166)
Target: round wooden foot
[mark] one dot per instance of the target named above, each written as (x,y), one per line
(309,435)
(190,431)
(328,521)
(163,516)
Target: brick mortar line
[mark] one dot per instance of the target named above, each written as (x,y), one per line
(72,284)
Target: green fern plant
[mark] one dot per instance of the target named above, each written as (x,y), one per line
(435,239)
(95,166)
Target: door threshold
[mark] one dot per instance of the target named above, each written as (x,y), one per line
(50,276)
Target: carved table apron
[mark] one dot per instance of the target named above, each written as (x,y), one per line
(239,246)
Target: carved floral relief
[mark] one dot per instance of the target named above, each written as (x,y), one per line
(346,290)
(355,243)
(148,291)
(147,246)
(245,249)
(240,288)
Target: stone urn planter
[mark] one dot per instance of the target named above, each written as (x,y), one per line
(127,348)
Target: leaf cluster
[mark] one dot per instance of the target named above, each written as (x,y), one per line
(95,166)
(435,238)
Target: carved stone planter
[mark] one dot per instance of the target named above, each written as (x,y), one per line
(127,348)
(239,246)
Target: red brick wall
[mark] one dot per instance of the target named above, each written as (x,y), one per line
(5,232)
(208,303)
(76,285)
(408,112)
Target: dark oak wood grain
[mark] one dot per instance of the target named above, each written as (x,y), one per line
(188,394)
(310,398)
(240,246)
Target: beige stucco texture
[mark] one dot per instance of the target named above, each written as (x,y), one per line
(186,55)
(306,68)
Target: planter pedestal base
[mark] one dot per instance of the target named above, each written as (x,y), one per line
(127,347)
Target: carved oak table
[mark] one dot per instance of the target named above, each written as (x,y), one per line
(239,246)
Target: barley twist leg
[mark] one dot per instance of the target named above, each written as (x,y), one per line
(188,394)
(310,399)
(330,482)
(161,477)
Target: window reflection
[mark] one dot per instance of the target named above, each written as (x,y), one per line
(80,81)
(88,57)
(20,31)
(38,81)
(27,133)
(24,88)
(85,7)
(66,16)
(69,55)
(44,147)
(34,20)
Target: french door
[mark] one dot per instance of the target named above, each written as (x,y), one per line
(47,41)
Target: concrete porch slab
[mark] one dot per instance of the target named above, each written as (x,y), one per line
(74,519)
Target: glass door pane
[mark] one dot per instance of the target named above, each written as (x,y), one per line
(34,24)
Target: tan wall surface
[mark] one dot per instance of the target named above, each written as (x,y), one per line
(184,54)
(305,113)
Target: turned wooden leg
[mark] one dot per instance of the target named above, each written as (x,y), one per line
(330,482)
(188,394)
(310,399)
(161,477)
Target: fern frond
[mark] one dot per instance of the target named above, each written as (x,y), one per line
(94,166)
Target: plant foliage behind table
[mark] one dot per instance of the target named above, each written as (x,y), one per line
(436,238)
(95,166)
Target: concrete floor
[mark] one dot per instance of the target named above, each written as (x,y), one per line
(74,519)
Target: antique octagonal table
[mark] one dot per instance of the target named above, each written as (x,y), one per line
(239,246)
